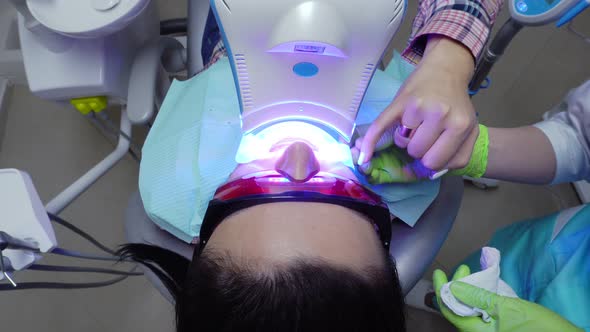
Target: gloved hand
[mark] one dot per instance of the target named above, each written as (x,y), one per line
(389,164)
(507,314)
(434,102)
(392,165)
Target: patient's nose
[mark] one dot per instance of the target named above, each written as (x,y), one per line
(298,163)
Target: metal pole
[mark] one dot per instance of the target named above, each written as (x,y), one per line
(494,52)
(197,18)
(66,197)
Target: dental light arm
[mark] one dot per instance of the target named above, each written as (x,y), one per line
(30,22)
(147,81)
(198,10)
(107,51)
(68,195)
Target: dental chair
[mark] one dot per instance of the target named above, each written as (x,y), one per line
(112,54)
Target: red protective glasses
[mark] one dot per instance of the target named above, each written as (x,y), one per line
(271,187)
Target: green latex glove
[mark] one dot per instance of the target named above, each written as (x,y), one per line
(390,164)
(507,314)
(393,165)
(478,163)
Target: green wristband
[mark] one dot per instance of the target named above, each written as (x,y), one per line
(478,163)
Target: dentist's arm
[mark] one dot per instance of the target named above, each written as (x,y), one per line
(447,37)
(517,154)
(434,103)
(520,155)
(553,151)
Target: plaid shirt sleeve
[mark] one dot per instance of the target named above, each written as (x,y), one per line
(466,21)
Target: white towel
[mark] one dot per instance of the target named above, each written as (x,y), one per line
(488,278)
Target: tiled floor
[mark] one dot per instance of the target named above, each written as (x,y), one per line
(55,145)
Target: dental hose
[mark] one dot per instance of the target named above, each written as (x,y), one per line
(108,129)
(112,257)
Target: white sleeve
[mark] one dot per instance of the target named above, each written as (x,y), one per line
(569,133)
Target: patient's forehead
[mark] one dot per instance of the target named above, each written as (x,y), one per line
(290,230)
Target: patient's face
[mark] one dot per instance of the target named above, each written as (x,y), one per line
(295,158)
(282,231)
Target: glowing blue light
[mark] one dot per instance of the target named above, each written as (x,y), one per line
(280,179)
(271,142)
(522,6)
(277,180)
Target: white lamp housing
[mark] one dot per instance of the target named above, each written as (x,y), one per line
(306,60)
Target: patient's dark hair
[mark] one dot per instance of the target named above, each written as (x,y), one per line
(216,293)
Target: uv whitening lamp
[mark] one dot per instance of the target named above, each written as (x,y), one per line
(305,61)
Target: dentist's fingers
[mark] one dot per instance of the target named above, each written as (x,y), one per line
(439,278)
(475,297)
(411,120)
(358,143)
(389,118)
(355,153)
(424,137)
(386,140)
(463,155)
(451,150)
(462,272)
